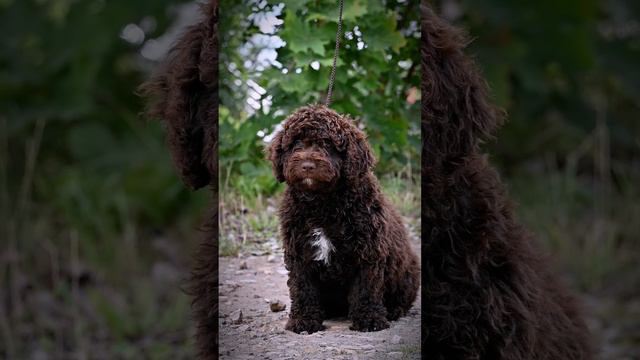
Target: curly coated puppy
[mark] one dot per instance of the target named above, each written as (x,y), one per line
(346,248)
(488,294)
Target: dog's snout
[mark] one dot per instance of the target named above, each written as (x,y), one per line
(308,166)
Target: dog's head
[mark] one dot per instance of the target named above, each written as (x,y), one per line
(317,148)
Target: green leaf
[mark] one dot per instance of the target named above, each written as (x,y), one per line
(294,5)
(306,59)
(293,82)
(353,9)
(300,36)
(380,34)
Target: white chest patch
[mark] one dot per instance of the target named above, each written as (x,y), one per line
(323,246)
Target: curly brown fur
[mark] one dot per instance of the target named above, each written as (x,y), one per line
(370,274)
(183,93)
(487,292)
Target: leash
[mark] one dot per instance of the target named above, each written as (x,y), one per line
(332,77)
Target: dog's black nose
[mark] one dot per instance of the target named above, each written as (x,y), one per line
(308,166)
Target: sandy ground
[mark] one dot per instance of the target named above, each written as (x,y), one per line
(249,283)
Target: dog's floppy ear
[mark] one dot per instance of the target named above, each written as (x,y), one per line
(359,159)
(275,153)
(183,93)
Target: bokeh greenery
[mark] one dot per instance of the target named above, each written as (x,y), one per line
(96,228)
(91,211)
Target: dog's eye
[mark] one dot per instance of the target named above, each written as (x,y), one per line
(298,144)
(328,144)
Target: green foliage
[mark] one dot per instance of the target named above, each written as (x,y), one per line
(555,67)
(301,37)
(404,194)
(242,152)
(248,223)
(83,179)
(372,81)
(80,83)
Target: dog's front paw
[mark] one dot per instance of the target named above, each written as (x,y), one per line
(300,325)
(395,314)
(369,324)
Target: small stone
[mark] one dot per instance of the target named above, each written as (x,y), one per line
(256,296)
(277,306)
(244,328)
(236,317)
(244,266)
(271,259)
(304,333)
(396,339)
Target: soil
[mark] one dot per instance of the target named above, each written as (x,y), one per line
(249,283)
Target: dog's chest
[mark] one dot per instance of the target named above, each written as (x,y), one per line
(322,246)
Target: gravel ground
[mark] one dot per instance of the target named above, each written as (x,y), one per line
(249,284)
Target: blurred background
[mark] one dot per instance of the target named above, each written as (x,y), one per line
(568,74)
(96,228)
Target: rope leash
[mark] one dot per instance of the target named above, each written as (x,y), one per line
(332,77)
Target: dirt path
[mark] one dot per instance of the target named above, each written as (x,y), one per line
(249,283)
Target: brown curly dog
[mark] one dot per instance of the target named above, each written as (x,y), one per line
(488,294)
(183,93)
(346,248)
